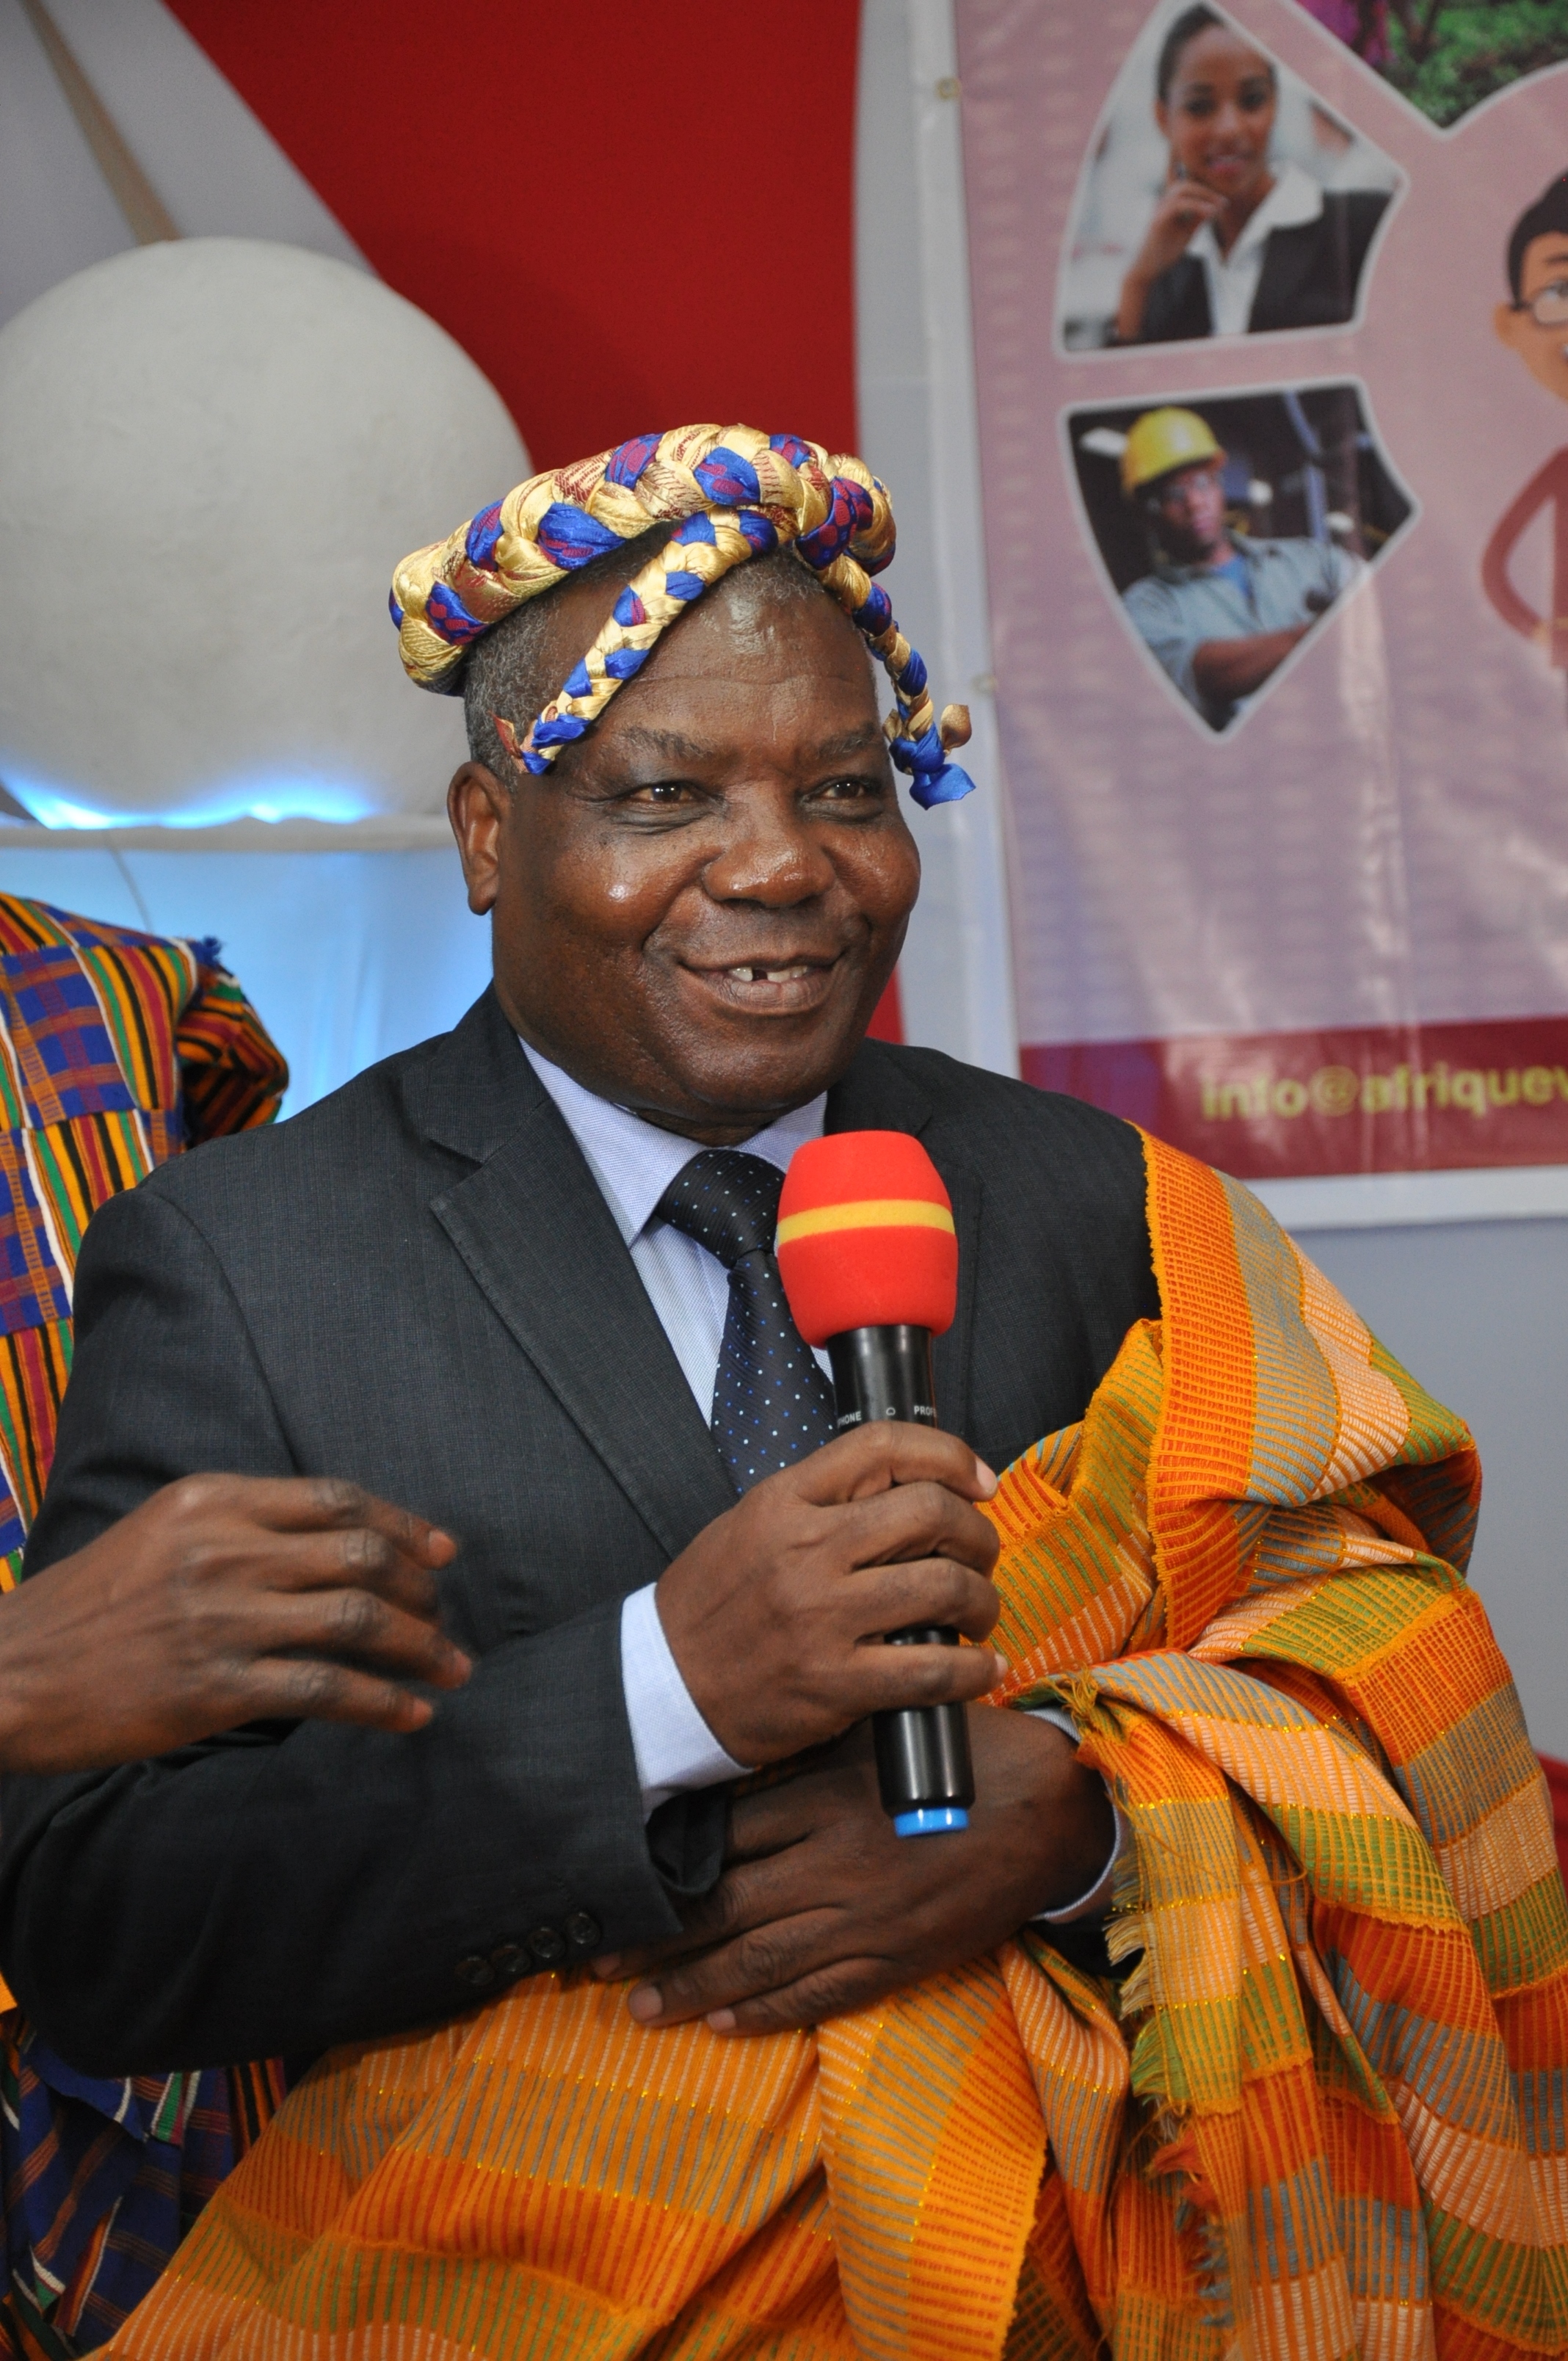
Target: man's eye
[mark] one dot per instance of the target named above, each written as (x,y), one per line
(849,790)
(664,793)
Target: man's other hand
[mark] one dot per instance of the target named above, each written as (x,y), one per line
(777,1611)
(822,1909)
(223,1599)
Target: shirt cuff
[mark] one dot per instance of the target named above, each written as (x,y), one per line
(674,1747)
(1096,1901)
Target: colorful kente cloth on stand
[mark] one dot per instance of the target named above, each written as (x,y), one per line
(118,1050)
(1321,2115)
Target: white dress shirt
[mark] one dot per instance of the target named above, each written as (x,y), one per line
(1232,277)
(634,1163)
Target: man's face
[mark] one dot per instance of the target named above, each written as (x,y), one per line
(697,912)
(1541,345)
(1189,512)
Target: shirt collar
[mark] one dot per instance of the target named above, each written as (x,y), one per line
(634,1162)
(1294,199)
(1241,546)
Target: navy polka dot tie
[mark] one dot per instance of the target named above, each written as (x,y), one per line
(772,1404)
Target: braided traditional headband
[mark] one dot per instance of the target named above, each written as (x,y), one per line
(733,494)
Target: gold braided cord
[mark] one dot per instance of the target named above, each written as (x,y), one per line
(732,493)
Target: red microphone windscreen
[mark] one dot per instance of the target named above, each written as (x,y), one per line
(866,1237)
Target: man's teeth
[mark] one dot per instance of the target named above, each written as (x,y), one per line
(769,974)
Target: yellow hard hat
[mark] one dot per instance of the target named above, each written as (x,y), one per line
(1161,440)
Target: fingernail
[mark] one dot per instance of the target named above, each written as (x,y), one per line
(722,2020)
(645,2002)
(1002,1667)
(987,1476)
(607,1965)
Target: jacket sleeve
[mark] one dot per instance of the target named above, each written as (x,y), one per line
(294,1885)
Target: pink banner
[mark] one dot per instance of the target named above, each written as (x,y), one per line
(1374,1099)
(1271,326)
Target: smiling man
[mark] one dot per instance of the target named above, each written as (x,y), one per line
(636,2052)
(498,1277)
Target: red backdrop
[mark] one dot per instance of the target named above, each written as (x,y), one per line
(629,221)
(629,217)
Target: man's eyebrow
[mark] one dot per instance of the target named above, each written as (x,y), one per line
(848,742)
(668,742)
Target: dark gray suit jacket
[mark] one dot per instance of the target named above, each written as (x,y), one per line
(417,1284)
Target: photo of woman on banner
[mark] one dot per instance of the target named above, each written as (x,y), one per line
(1534,326)
(1237,204)
(1229,531)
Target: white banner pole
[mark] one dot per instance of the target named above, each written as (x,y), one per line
(918,428)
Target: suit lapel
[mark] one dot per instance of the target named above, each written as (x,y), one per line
(540,1243)
(1289,257)
(879,1094)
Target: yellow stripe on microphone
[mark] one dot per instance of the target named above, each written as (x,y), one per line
(866,1213)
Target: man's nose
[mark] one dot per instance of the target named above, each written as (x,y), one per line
(769,855)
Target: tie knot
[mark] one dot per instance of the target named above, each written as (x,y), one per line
(727,1200)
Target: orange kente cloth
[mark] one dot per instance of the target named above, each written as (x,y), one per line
(1323,2115)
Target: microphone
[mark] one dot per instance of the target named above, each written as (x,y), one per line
(869,1259)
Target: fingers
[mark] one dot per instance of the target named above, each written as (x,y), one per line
(886,1452)
(356,1559)
(356,1627)
(280,1689)
(894,1680)
(310,1504)
(300,1533)
(770,1979)
(920,1520)
(866,1607)
(838,1991)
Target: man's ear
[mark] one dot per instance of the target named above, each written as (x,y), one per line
(1506,326)
(476,803)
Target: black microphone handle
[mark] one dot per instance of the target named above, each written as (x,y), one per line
(922,1751)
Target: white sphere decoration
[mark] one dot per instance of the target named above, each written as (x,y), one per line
(212,454)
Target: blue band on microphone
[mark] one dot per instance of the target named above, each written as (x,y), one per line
(930,1821)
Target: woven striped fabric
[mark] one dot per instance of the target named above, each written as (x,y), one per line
(117,1051)
(1321,2115)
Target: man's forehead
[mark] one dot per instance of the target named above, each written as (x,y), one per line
(1544,257)
(700,746)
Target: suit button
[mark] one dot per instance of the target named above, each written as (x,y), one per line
(476,1973)
(583,1931)
(547,1945)
(509,1959)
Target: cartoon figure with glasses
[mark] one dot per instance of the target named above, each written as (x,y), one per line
(1535,327)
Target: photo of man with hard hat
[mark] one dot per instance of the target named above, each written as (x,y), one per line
(1229,531)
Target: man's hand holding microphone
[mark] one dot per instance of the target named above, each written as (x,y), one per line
(778,1615)
(777,1612)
